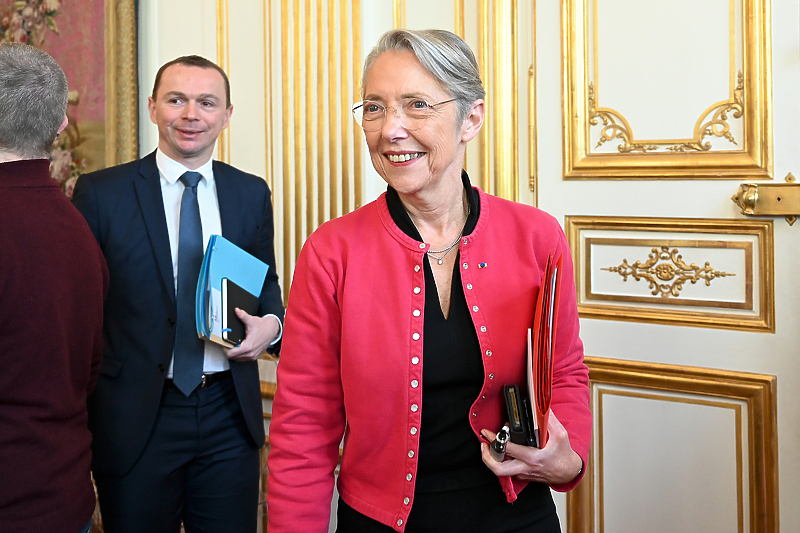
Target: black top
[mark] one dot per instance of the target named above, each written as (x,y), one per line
(452,373)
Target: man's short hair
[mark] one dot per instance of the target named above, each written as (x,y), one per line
(33,100)
(194,61)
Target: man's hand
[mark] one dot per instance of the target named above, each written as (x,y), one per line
(555,464)
(259,332)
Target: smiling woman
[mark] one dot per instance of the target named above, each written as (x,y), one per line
(437,272)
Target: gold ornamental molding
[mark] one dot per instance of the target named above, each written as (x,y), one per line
(224,62)
(313,68)
(492,33)
(121,131)
(666,265)
(746,305)
(754,401)
(718,126)
(615,126)
(399,13)
(589,125)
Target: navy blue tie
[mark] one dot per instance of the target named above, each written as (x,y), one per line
(187,369)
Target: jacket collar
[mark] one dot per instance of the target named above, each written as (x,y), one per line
(398,222)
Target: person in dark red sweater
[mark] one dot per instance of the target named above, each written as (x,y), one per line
(53,280)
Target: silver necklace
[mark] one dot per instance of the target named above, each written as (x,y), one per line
(445,251)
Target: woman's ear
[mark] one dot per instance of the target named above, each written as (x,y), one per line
(473,121)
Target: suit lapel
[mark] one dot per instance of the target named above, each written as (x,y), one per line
(148,193)
(228,197)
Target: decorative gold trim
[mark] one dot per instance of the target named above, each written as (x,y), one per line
(224,61)
(320,111)
(746,247)
(399,13)
(269,153)
(614,127)
(533,147)
(718,126)
(532,130)
(333,163)
(665,265)
(682,159)
(459,19)
(485,177)
(345,102)
(505,101)
(121,124)
(320,47)
(667,397)
(357,145)
(673,311)
(297,126)
(286,185)
(756,391)
(308,129)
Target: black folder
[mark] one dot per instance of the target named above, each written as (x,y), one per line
(234,296)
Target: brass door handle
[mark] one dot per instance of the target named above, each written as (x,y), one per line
(781,199)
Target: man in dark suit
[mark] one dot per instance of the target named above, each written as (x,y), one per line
(174,442)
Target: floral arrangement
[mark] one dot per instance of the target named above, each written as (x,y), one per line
(29,21)
(65,167)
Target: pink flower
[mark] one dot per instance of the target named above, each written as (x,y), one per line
(69,187)
(51,5)
(60,161)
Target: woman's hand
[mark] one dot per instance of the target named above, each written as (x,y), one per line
(555,464)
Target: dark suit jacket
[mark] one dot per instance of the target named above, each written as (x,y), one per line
(125,211)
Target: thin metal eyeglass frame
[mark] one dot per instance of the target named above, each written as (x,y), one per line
(358,105)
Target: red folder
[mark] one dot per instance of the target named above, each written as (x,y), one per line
(540,348)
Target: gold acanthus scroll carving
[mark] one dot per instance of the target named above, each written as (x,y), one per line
(666,265)
(615,126)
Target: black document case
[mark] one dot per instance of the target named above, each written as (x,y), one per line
(234,296)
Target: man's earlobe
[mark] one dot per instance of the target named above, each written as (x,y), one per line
(63,125)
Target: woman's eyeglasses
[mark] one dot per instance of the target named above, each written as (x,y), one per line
(411,112)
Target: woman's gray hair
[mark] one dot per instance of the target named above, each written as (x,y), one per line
(443,54)
(33,100)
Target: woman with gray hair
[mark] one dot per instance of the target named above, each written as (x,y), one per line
(407,317)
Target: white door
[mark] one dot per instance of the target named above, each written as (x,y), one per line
(692,350)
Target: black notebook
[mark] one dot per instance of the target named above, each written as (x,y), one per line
(234,296)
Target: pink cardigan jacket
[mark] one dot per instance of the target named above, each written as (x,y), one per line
(352,357)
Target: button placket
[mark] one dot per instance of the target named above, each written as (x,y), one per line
(471,296)
(417,326)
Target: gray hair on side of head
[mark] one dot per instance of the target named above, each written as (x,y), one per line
(33,100)
(443,54)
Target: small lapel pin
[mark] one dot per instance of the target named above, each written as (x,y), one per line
(482,265)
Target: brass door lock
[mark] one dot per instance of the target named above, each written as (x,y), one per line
(770,199)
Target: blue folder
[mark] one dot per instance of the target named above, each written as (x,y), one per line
(223,259)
